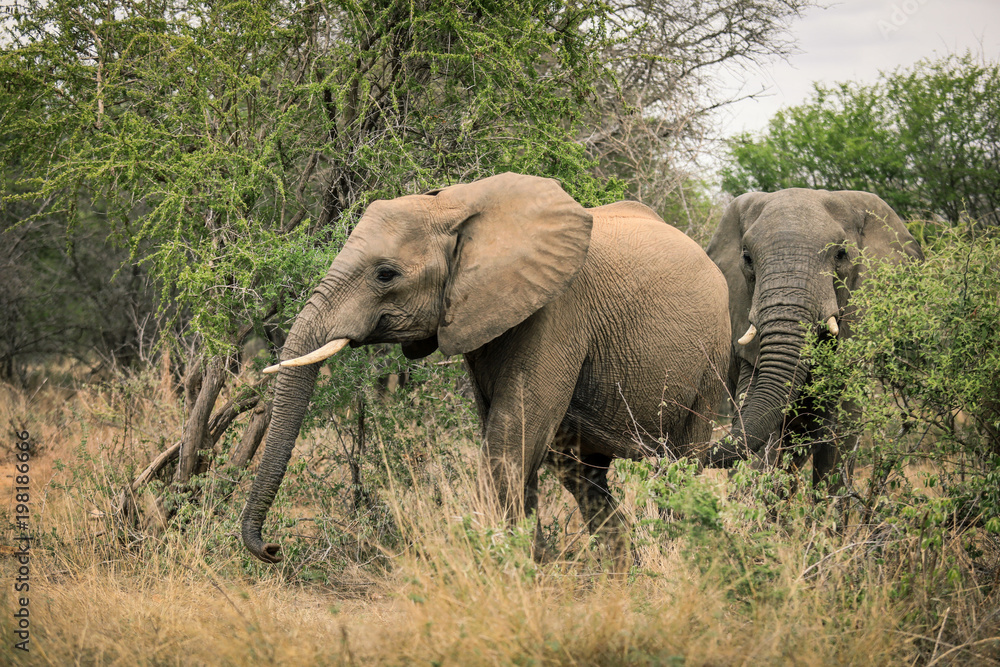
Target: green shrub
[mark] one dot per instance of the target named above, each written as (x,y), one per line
(924,367)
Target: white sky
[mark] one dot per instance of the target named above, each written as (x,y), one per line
(853,40)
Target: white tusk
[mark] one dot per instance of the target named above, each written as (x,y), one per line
(748,336)
(832,325)
(325,352)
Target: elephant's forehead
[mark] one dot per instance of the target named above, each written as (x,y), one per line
(801,216)
(814,205)
(391,227)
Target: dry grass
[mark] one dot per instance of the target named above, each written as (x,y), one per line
(456,588)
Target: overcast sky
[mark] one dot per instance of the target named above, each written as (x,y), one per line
(853,40)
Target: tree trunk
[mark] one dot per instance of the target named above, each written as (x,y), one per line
(252,436)
(197,435)
(360,495)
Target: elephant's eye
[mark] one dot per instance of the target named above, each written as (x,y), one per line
(747,259)
(842,254)
(386,274)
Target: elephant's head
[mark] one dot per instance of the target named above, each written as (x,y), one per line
(452,269)
(790,260)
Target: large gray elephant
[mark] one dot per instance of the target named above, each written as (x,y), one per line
(588,334)
(790,260)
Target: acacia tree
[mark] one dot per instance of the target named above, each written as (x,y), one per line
(232,146)
(653,121)
(926,139)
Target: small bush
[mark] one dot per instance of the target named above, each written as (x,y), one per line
(924,367)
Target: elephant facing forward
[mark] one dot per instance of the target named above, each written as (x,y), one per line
(588,334)
(790,260)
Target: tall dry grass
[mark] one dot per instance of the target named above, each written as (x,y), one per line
(456,585)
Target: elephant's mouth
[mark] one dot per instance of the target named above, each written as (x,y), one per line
(387,329)
(399,328)
(827,331)
(391,327)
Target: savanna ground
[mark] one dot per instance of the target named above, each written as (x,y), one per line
(415,568)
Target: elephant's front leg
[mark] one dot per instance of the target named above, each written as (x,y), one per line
(743,388)
(519,428)
(726,452)
(523,389)
(833,456)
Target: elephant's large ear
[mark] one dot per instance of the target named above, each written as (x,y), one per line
(519,243)
(726,250)
(880,231)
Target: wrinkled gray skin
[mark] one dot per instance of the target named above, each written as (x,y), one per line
(575,325)
(789,258)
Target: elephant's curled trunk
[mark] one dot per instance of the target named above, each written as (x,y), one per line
(291,398)
(779,378)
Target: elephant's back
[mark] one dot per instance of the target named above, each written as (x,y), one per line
(625,210)
(657,317)
(633,229)
(656,267)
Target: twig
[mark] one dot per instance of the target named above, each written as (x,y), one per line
(212,581)
(937,642)
(953,648)
(165,457)
(966,646)
(834,553)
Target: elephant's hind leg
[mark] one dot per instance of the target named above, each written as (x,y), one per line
(586,477)
(695,435)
